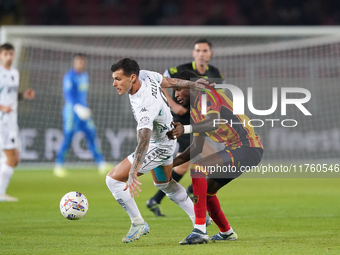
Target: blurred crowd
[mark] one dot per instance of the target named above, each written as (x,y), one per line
(169,12)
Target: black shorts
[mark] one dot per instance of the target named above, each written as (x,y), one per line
(184,142)
(235,162)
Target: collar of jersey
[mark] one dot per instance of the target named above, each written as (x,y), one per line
(194,65)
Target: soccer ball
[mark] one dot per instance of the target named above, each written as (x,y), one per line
(74,205)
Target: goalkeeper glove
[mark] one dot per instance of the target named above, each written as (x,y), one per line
(82,112)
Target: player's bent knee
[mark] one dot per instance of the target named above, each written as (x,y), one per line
(111,172)
(110,182)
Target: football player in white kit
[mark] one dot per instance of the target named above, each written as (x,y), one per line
(9,131)
(154,150)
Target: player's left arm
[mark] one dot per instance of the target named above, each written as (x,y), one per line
(27,94)
(143,136)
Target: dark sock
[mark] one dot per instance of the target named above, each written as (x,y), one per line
(189,189)
(176,176)
(160,194)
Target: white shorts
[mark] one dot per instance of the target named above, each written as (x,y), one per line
(157,155)
(9,137)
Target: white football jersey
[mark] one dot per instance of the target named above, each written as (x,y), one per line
(150,107)
(9,85)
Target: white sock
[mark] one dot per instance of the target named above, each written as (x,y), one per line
(202,227)
(6,173)
(124,199)
(230,231)
(177,194)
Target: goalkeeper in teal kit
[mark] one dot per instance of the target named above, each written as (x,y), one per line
(77,116)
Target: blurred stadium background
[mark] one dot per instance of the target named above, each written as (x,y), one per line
(258,57)
(257,43)
(261,57)
(169,12)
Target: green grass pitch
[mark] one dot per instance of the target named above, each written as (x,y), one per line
(271,216)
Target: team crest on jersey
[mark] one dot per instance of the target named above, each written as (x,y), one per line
(144,121)
(144,110)
(195,199)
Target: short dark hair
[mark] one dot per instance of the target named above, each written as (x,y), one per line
(186,75)
(204,40)
(6,46)
(79,55)
(128,65)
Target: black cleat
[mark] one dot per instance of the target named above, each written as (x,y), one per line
(154,207)
(196,237)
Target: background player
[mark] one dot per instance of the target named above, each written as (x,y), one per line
(154,150)
(202,53)
(9,130)
(77,116)
(243,147)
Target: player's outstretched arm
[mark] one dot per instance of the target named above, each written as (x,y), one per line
(143,137)
(177,83)
(195,148)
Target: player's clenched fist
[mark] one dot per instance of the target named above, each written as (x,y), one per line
(176,132)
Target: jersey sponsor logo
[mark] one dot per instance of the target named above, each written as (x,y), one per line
(153,87)
(144,120)
(144,110)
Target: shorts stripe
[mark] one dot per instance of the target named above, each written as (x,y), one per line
(232,158)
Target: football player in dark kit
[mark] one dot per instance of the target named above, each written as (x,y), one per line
(202,53)
(243,149)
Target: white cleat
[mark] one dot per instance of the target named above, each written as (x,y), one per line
(136,231)
(8,198)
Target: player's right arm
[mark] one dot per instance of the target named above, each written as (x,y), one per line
(195,148)
(82,111)
(143,137)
